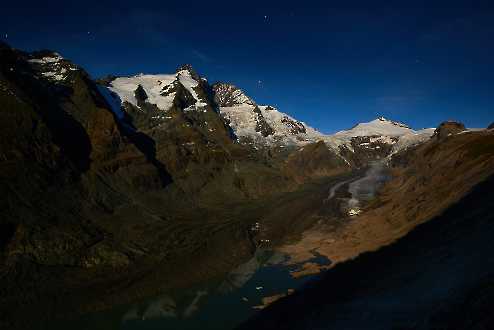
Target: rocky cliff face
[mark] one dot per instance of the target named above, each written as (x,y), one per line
(227,95)
(448,128)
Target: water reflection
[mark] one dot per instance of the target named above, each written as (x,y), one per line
(238,277)
(218,306)
(165,307)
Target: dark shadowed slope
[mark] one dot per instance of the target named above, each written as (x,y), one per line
(440,276)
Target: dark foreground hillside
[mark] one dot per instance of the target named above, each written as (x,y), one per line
(440,276)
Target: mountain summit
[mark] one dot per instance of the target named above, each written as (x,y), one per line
(379,126)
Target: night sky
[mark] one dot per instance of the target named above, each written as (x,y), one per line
(328,63)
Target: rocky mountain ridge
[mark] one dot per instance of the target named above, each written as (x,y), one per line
(257,125)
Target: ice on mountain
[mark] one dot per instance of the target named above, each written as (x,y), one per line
(244,120)
(157,88)
(262,125)
(125,88)
(377,127)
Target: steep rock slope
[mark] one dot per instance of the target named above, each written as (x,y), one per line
(66,162)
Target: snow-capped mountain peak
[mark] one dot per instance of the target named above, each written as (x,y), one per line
(158,89)
(260,124)
(378,127)
(380,134)
(396,123)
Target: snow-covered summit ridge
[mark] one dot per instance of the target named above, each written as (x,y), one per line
(396,123)
(260,124)
(159,88)
(378,127)
(399,135)
(246,118)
